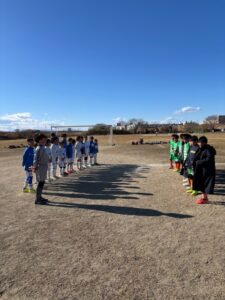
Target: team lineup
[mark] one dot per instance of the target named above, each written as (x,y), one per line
(44,157)
(194,159)
(49,159)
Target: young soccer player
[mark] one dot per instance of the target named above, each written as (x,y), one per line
(189,164)
(96,150)
(54,152)
(48,150)
(64,138)
(87,151)
(184,154)
(27,163)
(40,167)
(62,158)
(92,150)
(79,154)
(176,153)
(69,156)
(171,143)
(74,150)
(204,170)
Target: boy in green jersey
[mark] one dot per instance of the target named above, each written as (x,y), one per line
(171,143)
(176,153)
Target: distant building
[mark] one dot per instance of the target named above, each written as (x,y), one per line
(221,119)
(121,126)
(217,119)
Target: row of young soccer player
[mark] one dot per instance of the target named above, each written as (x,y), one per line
(63,154)
(194,159)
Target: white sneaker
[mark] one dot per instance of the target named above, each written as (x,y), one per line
(185,180)
(186,184)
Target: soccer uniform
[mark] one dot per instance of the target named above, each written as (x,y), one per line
(27,163)
(87,151)
(171,143)
(91,151)
(79,154)
(54,152)
(49,152)
(69,155)
(62,160)
(176,151)
(190,159)
(96,150)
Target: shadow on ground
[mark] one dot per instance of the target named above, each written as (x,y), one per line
(220,182)
(121,210)
(107,182)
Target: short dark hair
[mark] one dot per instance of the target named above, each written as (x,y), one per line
(30,139)
(39,137)
(203,139)
(194,138)
(55,138)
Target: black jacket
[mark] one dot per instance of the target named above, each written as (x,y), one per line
(204,170)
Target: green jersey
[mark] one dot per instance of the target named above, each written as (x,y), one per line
(186,150)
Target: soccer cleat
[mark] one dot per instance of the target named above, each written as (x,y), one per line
(189,191)
(195,193)
(186,184)
(26,190)
(32,191)
(202,201)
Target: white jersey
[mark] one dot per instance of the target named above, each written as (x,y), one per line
(79,146)
(54,151)
(49,152)
(62,154)
(87,148)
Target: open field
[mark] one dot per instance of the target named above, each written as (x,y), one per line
(122,230)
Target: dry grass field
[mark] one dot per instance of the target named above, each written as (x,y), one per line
(123,230)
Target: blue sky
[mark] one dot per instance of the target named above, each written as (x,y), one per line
(85,61)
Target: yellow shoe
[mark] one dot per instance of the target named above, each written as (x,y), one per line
(32,191)
(26,190)
(189,191)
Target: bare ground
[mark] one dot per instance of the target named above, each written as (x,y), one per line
(123,230)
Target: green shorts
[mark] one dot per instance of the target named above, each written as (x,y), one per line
(190,172)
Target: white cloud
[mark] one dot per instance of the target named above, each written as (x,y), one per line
(187,109)
(25,120)
(170,120)
(18,117)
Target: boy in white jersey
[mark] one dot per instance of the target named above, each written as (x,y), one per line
(87,151)
(62,158)
(79,155)
(54,152)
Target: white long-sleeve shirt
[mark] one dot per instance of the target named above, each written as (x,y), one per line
(54,151)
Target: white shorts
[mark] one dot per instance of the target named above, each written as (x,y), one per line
(69,160)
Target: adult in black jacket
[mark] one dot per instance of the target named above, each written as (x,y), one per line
(204,170)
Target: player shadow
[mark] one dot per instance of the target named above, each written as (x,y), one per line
(121,210)
(105,183)
(220,182)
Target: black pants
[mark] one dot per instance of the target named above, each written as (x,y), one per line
(39,190)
